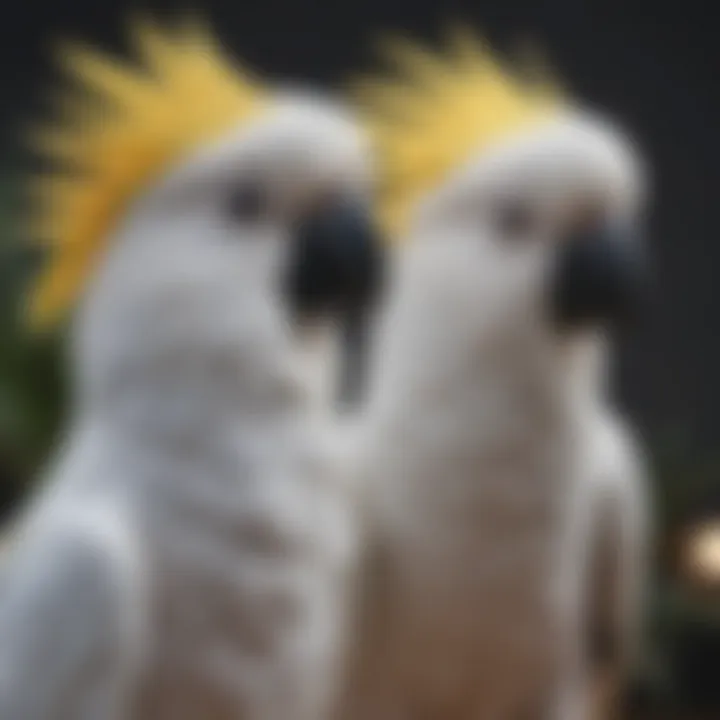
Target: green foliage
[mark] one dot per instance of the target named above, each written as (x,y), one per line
(684,482)
(31,397)
(683,623)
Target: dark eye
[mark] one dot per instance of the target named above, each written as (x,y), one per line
(248,203)
(516,221)
(586,218)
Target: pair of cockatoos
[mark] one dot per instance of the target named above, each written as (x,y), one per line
(209,544)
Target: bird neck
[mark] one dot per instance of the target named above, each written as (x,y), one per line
(192,393)
(518,376)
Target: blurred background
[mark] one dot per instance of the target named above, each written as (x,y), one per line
(652,66)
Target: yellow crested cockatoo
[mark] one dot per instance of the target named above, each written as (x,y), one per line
(507,517)
(187,557)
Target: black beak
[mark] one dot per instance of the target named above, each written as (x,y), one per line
(337,261)
(338,269)
(601,278)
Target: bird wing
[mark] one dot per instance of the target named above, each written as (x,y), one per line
(69,619)
(619,563)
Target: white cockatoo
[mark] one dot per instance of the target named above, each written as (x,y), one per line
(187,557)
(504,494)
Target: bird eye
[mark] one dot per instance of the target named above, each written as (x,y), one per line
(516,221)
(248,203)
(586,218)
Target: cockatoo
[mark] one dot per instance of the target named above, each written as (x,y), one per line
(505,499)
(188,555)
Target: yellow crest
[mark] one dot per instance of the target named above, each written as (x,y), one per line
(112,142)
(436,111)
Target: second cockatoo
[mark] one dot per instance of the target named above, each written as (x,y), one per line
(187,556)
(507,513)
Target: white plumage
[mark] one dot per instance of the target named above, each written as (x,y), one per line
(495,470)
(187,554)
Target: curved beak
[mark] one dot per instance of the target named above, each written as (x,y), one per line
(337,262)
(337,269)
(600,278)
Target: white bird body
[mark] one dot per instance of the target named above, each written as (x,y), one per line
(222,555)
(188,555)
(490,457)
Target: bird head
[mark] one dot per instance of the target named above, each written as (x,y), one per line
(521,210)
(193,210)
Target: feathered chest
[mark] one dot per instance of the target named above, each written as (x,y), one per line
(471,505)
(244,576)
(487,468)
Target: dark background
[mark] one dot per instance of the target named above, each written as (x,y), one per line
(654,67)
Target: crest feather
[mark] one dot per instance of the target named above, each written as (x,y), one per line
(434,111)
(130,124)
